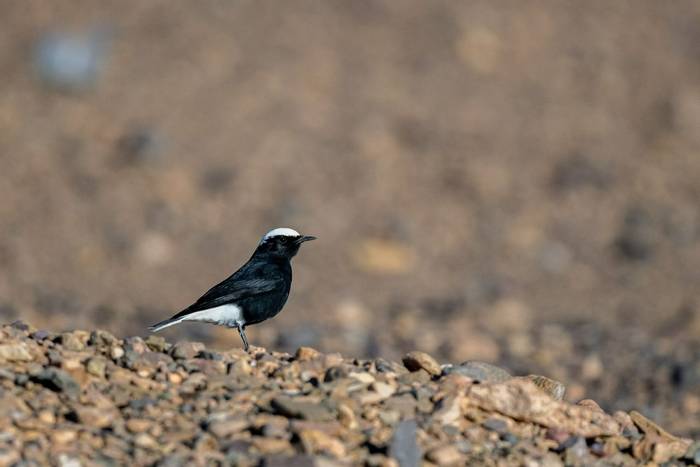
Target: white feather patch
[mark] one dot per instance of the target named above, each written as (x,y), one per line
(227,315)
(280,232)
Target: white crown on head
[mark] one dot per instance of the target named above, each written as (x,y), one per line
(280,232)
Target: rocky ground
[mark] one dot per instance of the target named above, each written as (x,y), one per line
(86,398)
(510,182)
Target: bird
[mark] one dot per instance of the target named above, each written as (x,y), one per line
(254,293)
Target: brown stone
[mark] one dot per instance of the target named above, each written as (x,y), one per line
(549,386)
(306,353)
(318,442)
(15,352)
(414,361)
(444,455)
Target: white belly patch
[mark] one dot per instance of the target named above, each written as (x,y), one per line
(226,315)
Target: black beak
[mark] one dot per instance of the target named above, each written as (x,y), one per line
(305,238)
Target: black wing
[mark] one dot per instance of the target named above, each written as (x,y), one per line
(263,280)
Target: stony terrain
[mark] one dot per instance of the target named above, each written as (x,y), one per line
(512,182)
(89,398)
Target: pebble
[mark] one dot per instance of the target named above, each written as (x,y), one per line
(445,455)
(73,341)
(480,372)
(289,407)
(318,442)
(550,386)
(116,352)
(404,446)
(57,380)
(306,353)
(186,350)
(17,352)
(414,361)
(96,366)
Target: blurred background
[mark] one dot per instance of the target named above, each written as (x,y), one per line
(514,182)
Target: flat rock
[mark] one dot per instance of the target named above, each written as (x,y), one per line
(480,372)
(293,408)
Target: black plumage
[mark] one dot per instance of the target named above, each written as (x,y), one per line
(254,293)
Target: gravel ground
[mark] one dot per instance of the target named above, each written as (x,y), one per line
(89,398)
(511,182)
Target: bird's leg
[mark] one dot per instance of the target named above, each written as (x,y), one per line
(241,331)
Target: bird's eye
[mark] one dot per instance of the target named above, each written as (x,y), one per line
(284,239)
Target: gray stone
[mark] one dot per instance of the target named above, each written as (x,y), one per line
(480,372)
(289,407)
(57,380)
(404,445)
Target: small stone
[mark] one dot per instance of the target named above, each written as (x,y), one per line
(40,335)
(96,366)
(318,442)
(550,386)
(420,377)
(480,372)
(9,456)
(186,350)
(306,353)
(145,441)
(289,461)
(223,425)
(116,352)
(364,378)
(63,436)
(577,453)
(448,410)
(57,380)
(174,378)
(591,404)
(138,425)
(693,453)
(379,460)
(384,390)
(444,455)
(47,417)
(496,424)
(15,352)
(346,416)
(135,344)
(64,460)
(414,361)
(240,368)
(272,445)
(404,444)
(157,343)
(73,342)
(335,373)
(94,417)
(289,407)
(210,355)
(101,338)
(558,435)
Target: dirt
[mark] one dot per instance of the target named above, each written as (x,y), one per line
(510,182)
